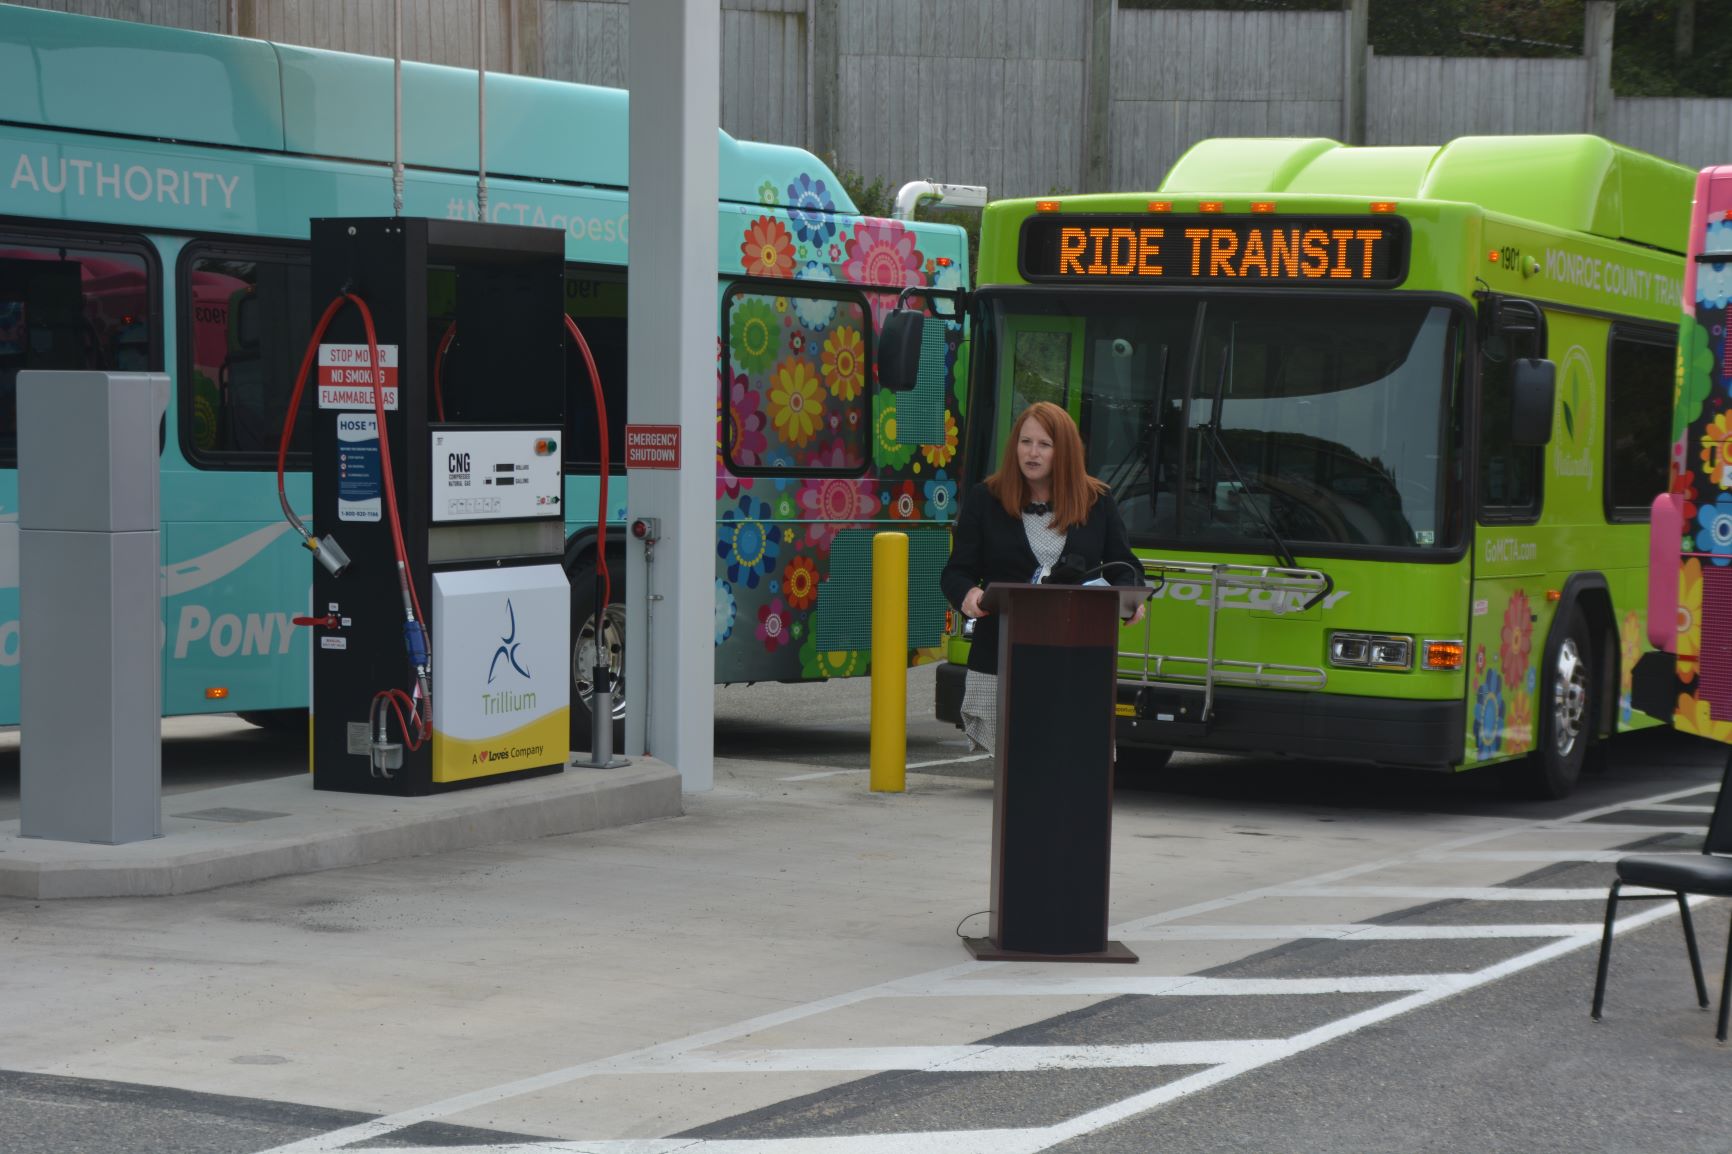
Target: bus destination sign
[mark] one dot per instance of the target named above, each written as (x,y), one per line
(1216,249)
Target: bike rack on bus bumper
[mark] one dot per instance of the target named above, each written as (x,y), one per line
(1168,685)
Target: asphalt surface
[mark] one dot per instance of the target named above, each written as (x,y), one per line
(1434,1008)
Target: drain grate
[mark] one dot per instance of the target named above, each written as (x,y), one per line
(231,814)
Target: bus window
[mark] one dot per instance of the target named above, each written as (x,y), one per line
(246,323)
(1639,371)
(796,365)
(69,308)
(1509,474)
(1326,424)
(596,301)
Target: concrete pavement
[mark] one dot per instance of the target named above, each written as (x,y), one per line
(734,975)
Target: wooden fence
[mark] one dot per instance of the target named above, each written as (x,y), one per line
(1024,96)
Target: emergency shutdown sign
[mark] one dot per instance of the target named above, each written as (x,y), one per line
(650,446)
(346,376)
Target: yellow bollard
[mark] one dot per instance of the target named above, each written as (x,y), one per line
(889,662)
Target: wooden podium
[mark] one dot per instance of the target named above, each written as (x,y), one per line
(1052,798)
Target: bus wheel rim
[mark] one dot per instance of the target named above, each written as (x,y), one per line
(1569,697)
(583,657)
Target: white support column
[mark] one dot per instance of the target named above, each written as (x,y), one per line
(675,80)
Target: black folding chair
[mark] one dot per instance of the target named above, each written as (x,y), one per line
(1681,875)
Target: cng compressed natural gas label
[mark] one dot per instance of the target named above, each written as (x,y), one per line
(501,644)
(358,474)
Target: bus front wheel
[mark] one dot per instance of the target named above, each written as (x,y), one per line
(584,638)
(1565,712)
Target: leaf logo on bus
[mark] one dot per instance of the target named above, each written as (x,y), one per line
(1572,404)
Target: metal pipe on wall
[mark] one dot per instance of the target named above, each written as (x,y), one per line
(397,109)
(481,109)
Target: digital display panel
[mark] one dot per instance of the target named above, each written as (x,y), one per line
(1216,249)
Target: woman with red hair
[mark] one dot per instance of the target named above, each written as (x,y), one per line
(1040,506)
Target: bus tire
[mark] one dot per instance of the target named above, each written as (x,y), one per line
(276,720)
(1566,709)
(583,581)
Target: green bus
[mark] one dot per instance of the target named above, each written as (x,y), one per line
(1384,424)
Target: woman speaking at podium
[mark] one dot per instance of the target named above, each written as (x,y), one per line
(1040,512)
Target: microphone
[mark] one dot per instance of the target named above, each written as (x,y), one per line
(1070,569)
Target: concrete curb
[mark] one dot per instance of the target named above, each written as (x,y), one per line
(242,833)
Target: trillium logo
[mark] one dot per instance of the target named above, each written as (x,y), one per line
(509,645)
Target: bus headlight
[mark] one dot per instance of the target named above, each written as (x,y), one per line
(968,629)
(1371,651)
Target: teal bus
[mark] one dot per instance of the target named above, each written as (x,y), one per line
(1384,423)
(155,192)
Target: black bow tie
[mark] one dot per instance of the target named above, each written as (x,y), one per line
(1037,507)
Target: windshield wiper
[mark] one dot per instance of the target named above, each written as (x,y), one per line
(1283,552)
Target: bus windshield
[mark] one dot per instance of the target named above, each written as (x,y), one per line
(1331,422)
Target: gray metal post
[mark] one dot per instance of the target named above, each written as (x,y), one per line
(1599,22)
(675,80)
(1356,46)
(1097,133)
(90,605)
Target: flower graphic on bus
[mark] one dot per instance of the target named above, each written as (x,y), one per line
(942,454)
(1716,534)
(1694,379)
(811,209)
(1516,640)
(844,363)
(767,250)
(1717,451)
(754,335)
(745,543)
(746,432)
(800,583)
(1689,617)
(904,502)
(1714,280)
(1682,482)
(832,503)
(1518,726)
(816,312)
(773,625)
(1488,715)
(796,408)
(891,453)
(940,497)
(882,253)
(1694,716)
(727,609)
(820,663)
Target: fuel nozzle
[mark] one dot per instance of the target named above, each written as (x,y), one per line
(329,553)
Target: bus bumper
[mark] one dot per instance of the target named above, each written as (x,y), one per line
(1329,727)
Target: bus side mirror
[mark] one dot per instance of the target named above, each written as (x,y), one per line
(1533,395)
(899,348)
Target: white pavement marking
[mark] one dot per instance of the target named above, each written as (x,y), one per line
(1172,1091)
(1662,807)
(949,761)
(1614,827)
(1047,984)
(1460,893)
(1422,990)
(1357,932)
(1541,856)
(968,1059)
(910,765)
(942,1142)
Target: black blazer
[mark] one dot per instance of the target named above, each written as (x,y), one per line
(990,545)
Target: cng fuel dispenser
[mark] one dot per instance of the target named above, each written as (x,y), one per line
(440,492)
